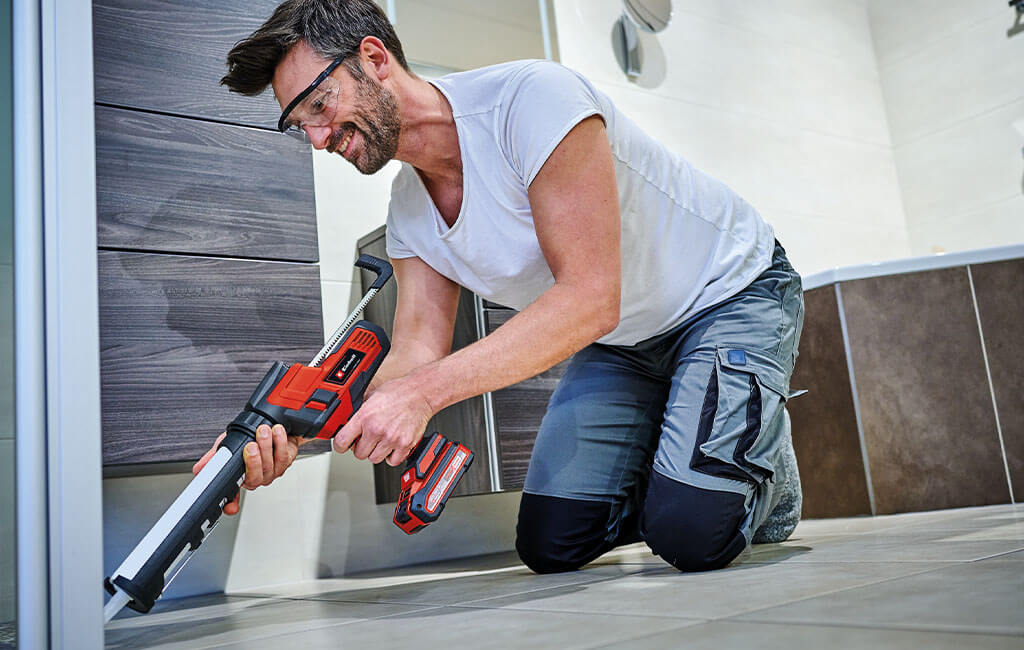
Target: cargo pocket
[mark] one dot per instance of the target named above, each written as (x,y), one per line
(740,427)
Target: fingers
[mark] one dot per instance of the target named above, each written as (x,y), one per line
(233,506)
(282,450)
(201,463)
(266,443)
(347,435)
(253,466)
(379,453)
(398,456)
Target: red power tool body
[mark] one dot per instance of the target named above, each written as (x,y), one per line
(310,401)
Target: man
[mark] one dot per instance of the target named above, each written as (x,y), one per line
(523,183)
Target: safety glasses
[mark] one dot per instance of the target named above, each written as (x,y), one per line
(314,106)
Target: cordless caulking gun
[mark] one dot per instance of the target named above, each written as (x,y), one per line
(310,401)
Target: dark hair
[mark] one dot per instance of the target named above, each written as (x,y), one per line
(333,28)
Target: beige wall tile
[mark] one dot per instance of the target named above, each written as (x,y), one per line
(939,85)
(974,164)
(999,224)
(902,28)
(793,129)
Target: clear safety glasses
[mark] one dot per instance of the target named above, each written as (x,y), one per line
(314,106)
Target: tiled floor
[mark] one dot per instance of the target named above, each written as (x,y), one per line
(950,579)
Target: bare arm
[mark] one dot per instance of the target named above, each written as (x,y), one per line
(424,319)
(574,202)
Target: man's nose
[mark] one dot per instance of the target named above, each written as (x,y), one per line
(319,136)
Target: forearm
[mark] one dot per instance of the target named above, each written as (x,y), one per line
(559,323)
(404,357)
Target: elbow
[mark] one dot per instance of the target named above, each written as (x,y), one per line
(610,320)
(607,315)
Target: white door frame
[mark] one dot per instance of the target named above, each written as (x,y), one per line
(57,402)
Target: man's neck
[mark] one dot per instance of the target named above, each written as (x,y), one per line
(429,140)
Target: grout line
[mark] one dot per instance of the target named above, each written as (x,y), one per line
(913,574)
(856,398)
(469,603)
(991,386)
(923,43)
(751,116)
(541,609)
(195,118)
(942,128)
(997,555)
(322,627)
(212,256)
(894,627)
(616,644)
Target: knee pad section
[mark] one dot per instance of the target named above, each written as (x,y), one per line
(554,534)
(691,528)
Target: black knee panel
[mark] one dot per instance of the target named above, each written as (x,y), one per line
(555,534)
(690,528)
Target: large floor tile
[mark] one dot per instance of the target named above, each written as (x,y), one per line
(903,546)
(952,519)
(713,594)
(449,588)
(478,629)
(982,597)
(765,636)
(207,621)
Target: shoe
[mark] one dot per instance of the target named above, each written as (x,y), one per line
(784,517)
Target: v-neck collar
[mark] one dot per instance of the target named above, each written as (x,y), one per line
(440,225)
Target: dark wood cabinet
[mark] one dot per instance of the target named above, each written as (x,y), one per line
(184,341)
(182,185)
(206,229)
(168,56)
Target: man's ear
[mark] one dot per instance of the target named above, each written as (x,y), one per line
(374,55)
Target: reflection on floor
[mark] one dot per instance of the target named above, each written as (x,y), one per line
(949,579)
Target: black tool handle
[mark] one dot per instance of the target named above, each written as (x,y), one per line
(376,265)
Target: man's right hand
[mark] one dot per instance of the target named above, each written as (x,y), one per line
(265,459)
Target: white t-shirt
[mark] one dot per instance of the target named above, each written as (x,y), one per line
(688,241)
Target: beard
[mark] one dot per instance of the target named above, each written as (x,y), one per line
(376,108)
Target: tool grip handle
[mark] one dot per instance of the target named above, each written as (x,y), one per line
(182,527)
(376,265)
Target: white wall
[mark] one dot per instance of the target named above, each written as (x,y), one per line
(954,84)
(464,34)
(780,99)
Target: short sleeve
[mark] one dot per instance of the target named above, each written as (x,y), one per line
(396,248)
(539,106)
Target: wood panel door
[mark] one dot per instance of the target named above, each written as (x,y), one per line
(185,340)
(172,184)
(169,56)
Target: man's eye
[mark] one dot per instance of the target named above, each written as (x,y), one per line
(317,106)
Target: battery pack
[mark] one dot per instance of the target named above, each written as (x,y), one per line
(432,472)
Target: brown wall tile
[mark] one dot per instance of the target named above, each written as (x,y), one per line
(999,287)
(824,423)
(925,406)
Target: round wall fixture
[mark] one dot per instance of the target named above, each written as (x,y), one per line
(651,16)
